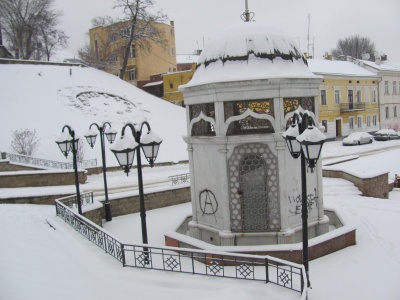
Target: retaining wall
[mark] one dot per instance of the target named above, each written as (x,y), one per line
(376,186)
(131,204)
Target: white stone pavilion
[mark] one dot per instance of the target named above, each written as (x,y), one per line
(245,186)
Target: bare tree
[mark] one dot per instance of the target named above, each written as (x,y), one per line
(141,28)
(24,142)
(29,26)
(102,55)
(354,46)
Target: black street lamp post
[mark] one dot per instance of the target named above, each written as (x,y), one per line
(304,140)
(124,150)
(67,142)
(90,136)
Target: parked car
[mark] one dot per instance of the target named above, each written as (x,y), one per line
(385,135)
(357,138)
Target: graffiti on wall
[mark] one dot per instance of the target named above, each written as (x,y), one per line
(208,203)
(295,203)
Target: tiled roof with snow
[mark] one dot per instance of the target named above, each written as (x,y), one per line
(336,67)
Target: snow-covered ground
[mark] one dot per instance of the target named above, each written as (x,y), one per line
(44,98)
(39,262)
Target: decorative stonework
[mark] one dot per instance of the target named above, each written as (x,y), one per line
(262,203)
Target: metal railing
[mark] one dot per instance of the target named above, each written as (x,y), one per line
(178,179)
(72,201)
(28,160)
(184,260)
(352,106)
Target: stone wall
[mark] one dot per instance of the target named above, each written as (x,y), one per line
(129,205)
(373,186)
(46,200)
(7,166)
(40,178)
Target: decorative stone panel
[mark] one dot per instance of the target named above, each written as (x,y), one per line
(271,212)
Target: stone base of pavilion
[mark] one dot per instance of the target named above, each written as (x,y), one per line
(340,236)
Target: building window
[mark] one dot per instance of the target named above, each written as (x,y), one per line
(350,96)
(387,112)
(132,52)
(132,74)
(395,112)
(351,122)
(359,122)
(368,121)
(173,51)
(325,124)
(358,96)
(96,49)
(386,87)
(113,37)
(171,85)
(337,97)
(323,97)
(374,120)
(374,96)
(394,87)
(114,58)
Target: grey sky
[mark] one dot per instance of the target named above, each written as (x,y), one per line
(197,20)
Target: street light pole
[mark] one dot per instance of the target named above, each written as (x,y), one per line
(66,143)
(124,150)
(304,141)
(91,138)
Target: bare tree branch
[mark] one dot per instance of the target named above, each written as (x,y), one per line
(29,26)
(354,46)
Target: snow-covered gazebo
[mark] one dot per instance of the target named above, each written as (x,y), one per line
(245,187)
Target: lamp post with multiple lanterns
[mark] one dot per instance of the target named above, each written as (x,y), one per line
(304,140)
(124,150)
(90,136)
(68,142)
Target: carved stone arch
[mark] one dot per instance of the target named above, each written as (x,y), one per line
(202,126)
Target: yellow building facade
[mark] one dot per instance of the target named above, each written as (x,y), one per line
(141,65)
(172,81)
(348,99)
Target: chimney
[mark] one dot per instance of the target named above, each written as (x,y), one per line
(378,60)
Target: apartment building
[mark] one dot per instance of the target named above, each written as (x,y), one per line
(348,99)
(141,65)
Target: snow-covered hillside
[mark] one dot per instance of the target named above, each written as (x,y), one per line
(47,97)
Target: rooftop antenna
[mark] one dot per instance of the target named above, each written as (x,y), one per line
(247,16)
(308,37)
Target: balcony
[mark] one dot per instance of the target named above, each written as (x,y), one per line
(352,106)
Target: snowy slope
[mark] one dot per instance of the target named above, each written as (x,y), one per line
(47,97)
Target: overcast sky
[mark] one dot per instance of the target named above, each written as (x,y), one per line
(197,20)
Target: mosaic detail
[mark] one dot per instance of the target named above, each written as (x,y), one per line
(237,108)
(247,214)
(291,104)
(208,110)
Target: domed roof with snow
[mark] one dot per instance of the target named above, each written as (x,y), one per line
(248,52)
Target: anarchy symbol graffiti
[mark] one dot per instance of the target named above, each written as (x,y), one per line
(208,202)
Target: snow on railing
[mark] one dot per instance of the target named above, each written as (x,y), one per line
(29,160)
(191,261)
